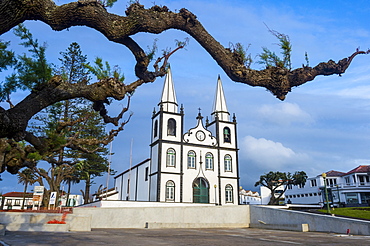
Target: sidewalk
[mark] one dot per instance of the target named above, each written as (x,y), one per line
(180,237)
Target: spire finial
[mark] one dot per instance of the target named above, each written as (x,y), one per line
(199,117)
(168,100)
(219,104)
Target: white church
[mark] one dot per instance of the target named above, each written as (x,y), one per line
(196,166)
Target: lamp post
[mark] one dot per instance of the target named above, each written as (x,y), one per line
(326,193)
(215,194)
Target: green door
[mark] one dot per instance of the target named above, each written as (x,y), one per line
(200,191)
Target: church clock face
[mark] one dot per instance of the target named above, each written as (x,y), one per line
(200,135)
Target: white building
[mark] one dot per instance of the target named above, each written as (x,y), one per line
(14,200)
(196,166)
(249,197)
(352,188)
(266,194)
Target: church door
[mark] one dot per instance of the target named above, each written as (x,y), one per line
(200,191)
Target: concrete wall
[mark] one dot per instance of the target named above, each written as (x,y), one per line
(27,221)
(264,216)
(167,216)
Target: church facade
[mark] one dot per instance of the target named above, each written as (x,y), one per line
(199,165)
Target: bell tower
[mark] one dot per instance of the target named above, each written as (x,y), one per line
(167,131)
(225,131)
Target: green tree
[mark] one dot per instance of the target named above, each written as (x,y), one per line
(274,180)
(74,131)
(31,72)
(26,177)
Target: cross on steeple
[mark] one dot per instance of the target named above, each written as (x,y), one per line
(199,117)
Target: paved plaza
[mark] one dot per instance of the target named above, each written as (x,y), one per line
(179,237)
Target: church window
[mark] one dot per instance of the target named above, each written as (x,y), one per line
(191,159)
(171,158)
(146,173)
(227,135)
(155,128)
(170,191)
(227,162)
(171,127)
(229,193)
(209,161)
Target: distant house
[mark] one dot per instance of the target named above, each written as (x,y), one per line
(13,200)
(249,197)
(351,188)
(266,194)
(104,194)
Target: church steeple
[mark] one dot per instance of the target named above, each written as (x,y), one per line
(219,104)
(168,101)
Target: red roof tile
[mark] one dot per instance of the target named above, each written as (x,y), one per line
(360,169)
(333,173)
(17,194)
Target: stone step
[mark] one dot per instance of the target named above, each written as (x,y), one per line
(286,227)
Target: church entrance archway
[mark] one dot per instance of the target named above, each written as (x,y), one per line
(200,191)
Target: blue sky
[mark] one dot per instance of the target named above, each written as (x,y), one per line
(322,125)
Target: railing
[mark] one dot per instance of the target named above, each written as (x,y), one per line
(360,184)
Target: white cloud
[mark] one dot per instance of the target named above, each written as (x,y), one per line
(268,154)
(284,114)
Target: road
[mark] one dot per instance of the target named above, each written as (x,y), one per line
(180,237)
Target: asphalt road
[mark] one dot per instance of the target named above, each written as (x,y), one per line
(179,237)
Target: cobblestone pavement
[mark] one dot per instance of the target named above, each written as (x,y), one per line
(179,237)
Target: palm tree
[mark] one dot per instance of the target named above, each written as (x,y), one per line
(26,176)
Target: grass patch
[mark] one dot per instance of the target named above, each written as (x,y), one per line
(358,212)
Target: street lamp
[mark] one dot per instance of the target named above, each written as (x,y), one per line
(215,194)
(326,192)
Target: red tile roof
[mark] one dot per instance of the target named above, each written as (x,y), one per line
(360,169)
(17,194)
(333,173)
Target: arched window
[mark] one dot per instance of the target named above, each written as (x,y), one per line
(191,159)
(171,158)
(227,162)
(171,127)
(155,128)
(170,191)
(229,194)
(227,135)
(209,161)
(200,191)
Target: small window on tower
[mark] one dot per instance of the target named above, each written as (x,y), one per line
(227,162)
(171,127)
(229,194)
(146,173)
(170,191)
(171,158)
(227,135)
(155,128)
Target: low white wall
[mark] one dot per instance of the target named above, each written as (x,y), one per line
(27,221)
(167,216)
(316,222)
(121,204)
